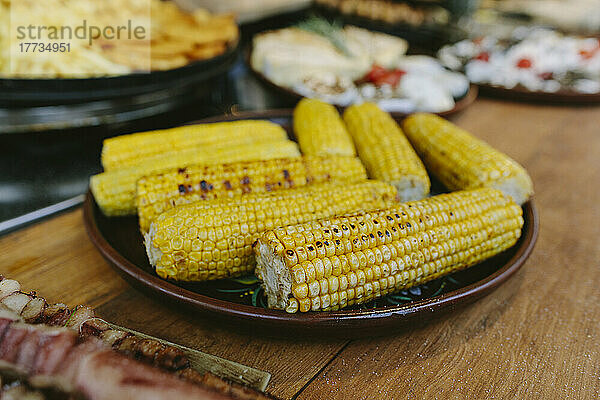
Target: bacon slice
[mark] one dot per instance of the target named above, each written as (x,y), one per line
(55,357)
(82,320)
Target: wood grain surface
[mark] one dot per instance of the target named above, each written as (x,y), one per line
(537,336)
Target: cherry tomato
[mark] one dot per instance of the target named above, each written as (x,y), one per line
(524,63)
(483,56)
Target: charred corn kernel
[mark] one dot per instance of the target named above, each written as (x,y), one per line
(320,131)
(461,161)
(129,150)
(158,193)
(385,151)
(204,222)
(115,190)
(474,224)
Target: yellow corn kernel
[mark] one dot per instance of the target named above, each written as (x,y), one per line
(385,151)
(320,131)
(205,222)
(461,161)
(115,190)
(158,193)
(475,224)
(128,150)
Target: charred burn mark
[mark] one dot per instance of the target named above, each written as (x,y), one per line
(286,174)
(227,185)
(182,189)
(205,186)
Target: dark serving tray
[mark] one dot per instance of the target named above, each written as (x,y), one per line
(44,92)
(240,302)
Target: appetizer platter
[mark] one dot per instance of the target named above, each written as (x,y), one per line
(348,65)
(234,219)
(530,64)
(184,49)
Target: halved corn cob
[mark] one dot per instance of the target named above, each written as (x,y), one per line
(320,131)
(158,193)
(114,190)
(336,262)
(385,151)
(128,150)
(461,161)
(213,239)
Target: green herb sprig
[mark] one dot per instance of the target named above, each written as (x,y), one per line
(332,31)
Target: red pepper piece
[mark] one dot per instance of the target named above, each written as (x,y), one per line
(391,78)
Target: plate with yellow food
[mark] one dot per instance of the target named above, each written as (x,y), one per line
(65,51)
(308,221)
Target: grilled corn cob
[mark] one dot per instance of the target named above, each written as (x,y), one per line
(128,150)
(213,239)
(158,193)
(114,190)
(385,151)
(461,161)
(320,131)
(341,261)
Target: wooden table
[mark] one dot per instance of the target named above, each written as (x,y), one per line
(537,336)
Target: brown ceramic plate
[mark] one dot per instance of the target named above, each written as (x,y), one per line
(240,302)
(563,96)
(459,105)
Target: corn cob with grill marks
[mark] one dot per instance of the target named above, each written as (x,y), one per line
(213,239)
(385,151)
(114,190)
(128,150)
(320,131)
(158,193)
(341,261)
(461,161)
